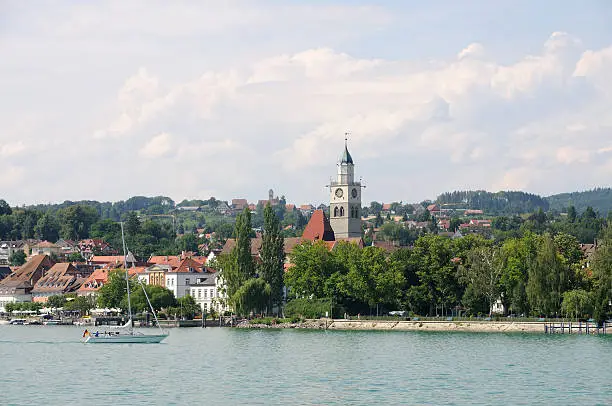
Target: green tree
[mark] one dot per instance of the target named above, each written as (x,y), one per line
(272,254)
(482,272)
(187,242)
(56,301)
(385,277)
(378,220)
(114,290)
(75,257)
(159,297)
(189,307)
(577,303)
(571,214)
(17,258)
(244,258)
(547,279)
(518,255)
(5,209)
(47,228)
(312,267)
(454,224)
(82,304)
(602,277)
(437,274)
(252,296)
(76,221)
(132,224)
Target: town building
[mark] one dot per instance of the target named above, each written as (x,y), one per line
(46,248)
(177,279)
(8,248)
(345,199)
(62,278)
(207,291)
(94,246)
(93,283)
(17,287)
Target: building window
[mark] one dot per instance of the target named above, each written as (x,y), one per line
(341,211)
(205,292)
(186,281)
(336,211)
(199,293)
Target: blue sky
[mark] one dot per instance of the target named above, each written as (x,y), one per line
(192,99)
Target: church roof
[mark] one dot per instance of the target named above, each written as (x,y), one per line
(346,156)
(318,228)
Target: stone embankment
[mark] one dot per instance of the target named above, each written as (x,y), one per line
(306,324)
(466,326)
(390,325)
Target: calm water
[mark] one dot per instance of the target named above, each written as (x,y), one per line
(48,365)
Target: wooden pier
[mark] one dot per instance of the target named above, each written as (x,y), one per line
(578,327)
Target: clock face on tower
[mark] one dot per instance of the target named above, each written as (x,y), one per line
(354,192)
(339,192)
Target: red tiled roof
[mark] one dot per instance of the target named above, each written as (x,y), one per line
(433,207)
(107,259)
(136,270)
(318,228)
(188,265)
(60,278)
(45,244)
(29,273)
(95,281)
(174,260)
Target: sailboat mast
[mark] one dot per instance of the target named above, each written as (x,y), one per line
(127,279)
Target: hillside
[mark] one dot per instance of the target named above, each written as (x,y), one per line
(504,202)
(600,199)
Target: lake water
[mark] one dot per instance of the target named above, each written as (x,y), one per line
(49,365)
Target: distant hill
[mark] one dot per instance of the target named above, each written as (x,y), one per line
(600,199)
(504,202)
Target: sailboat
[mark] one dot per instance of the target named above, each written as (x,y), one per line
(126,334)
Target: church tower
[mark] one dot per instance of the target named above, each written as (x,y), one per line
(345,200)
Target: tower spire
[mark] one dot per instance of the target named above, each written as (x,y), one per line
(346,156)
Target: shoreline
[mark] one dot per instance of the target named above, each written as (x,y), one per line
(402,325)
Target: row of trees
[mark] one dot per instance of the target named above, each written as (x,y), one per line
(539,275)
(114,295)
(250,286)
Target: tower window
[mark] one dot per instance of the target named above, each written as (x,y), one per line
(341,211)
(336,211)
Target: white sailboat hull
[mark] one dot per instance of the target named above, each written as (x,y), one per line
(127,339)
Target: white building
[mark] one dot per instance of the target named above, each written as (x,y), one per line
(207,290)
(177,279)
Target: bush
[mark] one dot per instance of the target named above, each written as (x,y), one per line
(311,308)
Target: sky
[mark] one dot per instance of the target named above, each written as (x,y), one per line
(105,100)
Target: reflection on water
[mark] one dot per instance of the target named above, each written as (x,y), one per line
(49,364)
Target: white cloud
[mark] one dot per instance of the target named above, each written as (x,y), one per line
(158,146)
(570,155)
(11,149)
(237,98)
